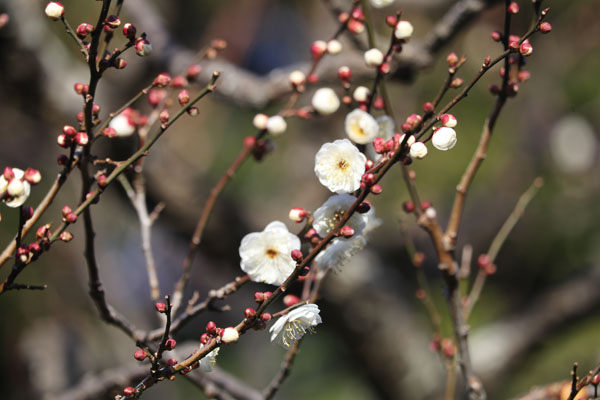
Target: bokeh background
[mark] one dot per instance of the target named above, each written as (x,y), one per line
(536,316)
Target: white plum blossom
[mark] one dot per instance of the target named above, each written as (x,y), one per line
(403,30)
(340,166)
(444,138)
(325,101)
(230,335)
(341,250)
(209,361)
(292,326)
(332,211)
(297,78)
(16,191)
(418,150)
(260,121)
(54,10)
(122,125)
(373,57)
(276,125)
(381,3)
(266,256)
(361,127)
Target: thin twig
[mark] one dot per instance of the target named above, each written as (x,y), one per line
(283,373)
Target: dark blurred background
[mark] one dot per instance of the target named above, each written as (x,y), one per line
(536,316)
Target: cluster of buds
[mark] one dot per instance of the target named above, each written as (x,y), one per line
(216,45)
(71,137)
(15,185)
(125,124)
(225,335)
(355,21)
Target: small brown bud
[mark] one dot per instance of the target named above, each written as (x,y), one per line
(456,83)
(193,111)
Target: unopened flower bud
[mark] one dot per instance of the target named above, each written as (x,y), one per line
(8,174)
(140,355)
(27,212)
(523,76)
(363,207)
(361,94)
(80,88)
(110,132)
(452,60)
(183,97)
(42,232)
(129,31)
(230,335)
(81,138)
(259,297)
(595,380)
(65,236)
(448,120)
(249,313)
(290,299)
(120,63)
(545,27)
(355,26)
(513,8)
(325,101)
(142,47)
(32,176)
(297,214)
(102,181)
(170,344)
(344,73)
(418,150)
(496,36)
(347,231)
(162,80)
(296,255)
(129,391)
(403,30)
(297,78)
(391,20)
(276,125)
(334,47)
(526,49)
(265,317)
(113,21)
(15,187)
(373,57)
(84,29)
(63,140)
(71,217)
(211,327)
(318,48)
(193,111)
(267,295)
(54,10)
(204,338)
(160,307)
(483,261)
(456,83)
(428,107)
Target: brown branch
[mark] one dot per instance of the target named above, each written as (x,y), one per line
(283,373)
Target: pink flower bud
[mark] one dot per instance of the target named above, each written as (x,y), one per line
(84,29)
(347,231)
(193,71)
(425,205)
(408,207)
(140,355)
(452,60)
(267,295)
(211,328)
(483,261)
(164,116)
(355,26)
(523,76)
(160,307)
(179,81)
(142,47)
(496,36)
(358,14)
(113,21)
(526,49)
(71,217)
(102,180)
(428,107)
(297,214)
(290,299)
(296,255)
(95,109)
(129,31)
(65,211)
(456,83)
(171,362)
(162,80)
(265,317)
(391,20)
(318,48)
(42,232)
(448,120)
(69,130)
(81,138)
(8,174)
(259,297)
(80,88)
(63,140)
(183,97)
(545,27)
(129,391)
(249,313)
(193,111)
(376,189)
(513,8)
(170,344)
(35,248)
(344,73)
(65,236)
(109,132)
(204,338)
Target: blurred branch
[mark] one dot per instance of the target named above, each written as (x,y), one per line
(283,373)
(248,89)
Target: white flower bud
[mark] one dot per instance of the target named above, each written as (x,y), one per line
(122,125)
(361,94)
(276,125)
(260,121)
(448,120)
(297,78)
(325,101)
(381,3)
(54,10)
(15,187)
(404,30)
(418,150)
(444,138)
(230,335)
(297,214)
(334,47)
(373,57)
(431,213)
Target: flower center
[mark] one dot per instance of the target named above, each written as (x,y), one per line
(343,164)
(271,253)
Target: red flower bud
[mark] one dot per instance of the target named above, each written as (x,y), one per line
(170,344)
(211,328)
(140,355)
(160,307)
